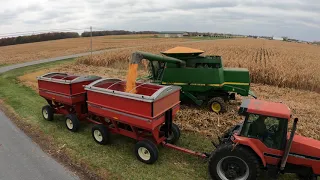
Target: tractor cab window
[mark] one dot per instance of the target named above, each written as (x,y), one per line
(270,130)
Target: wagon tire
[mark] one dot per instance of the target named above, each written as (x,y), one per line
(47,112)
(217,105)
(146,151)
(100,134)
(72,122)
(229,162)
(174,136)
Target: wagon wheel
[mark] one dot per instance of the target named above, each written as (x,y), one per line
(175,133)
(217,105)
(100,134)
(146,151)
(227,162)
(47,112)
(72,122)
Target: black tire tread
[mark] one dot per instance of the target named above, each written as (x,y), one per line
(104,131)
(219,100)
(252,157)
(75,122)
(50,112)
(176,133)
(152,148)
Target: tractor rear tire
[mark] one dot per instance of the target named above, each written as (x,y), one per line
(174,136)
(72,122)
(229,162)
(146,151)
(100,134)
(217,105)
(47,112)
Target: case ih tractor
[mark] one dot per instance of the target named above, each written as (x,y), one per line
(262,142)
(203,79)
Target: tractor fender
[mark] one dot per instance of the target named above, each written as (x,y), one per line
(244,141)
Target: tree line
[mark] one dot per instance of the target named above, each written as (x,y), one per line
(37,38)
(63,35)
(115,32)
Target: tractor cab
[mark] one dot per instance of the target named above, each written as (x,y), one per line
(263,140)
(265,121)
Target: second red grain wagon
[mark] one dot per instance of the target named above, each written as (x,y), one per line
(65,95)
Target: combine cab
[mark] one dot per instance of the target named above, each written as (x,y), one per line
(203,79)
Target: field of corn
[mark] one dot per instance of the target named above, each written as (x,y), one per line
(48,49)
(275,63)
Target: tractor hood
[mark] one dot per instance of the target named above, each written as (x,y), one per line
(305,147)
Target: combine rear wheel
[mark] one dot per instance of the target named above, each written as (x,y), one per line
(146,151)
(217,105)
(227,162)
(100,134)
(47,112)
(72,122)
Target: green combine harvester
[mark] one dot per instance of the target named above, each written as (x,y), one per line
(203,79)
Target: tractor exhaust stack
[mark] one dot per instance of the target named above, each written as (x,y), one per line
(288,146)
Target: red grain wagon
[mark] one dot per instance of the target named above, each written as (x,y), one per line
(65,95)
(145,116)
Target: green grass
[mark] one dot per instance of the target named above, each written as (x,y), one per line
(117,158)
(2,65)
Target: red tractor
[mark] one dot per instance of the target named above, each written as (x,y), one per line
(262,142)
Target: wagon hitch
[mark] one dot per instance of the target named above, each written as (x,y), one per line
(188,151)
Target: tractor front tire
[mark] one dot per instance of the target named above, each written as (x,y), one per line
(47,112)
(175,133)
(146,151)
(72,123)
(217,105)
(229,162)
(100,134)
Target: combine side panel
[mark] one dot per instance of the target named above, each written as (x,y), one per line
(193,76)
(237,80)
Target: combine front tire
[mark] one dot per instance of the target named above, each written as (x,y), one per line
(100,134)
(217,105)
(227,162)
(47,112)
(72,122)
(146,151)
(175,133)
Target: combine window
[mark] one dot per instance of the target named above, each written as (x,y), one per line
(156,69)
(270,130)
(208,65)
